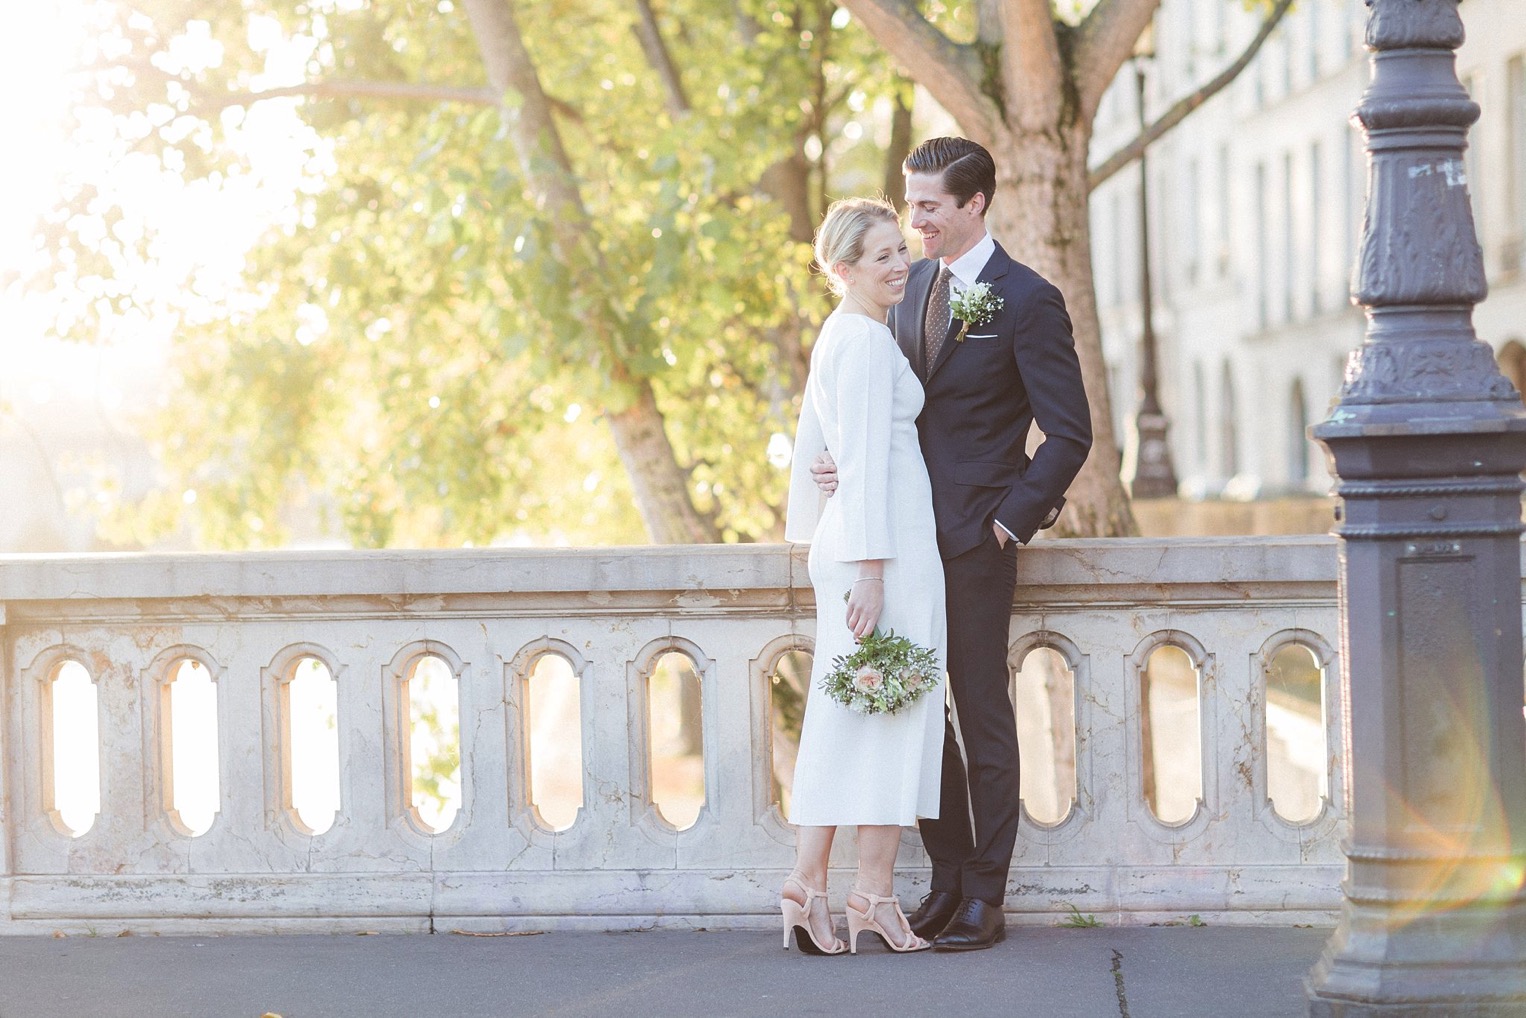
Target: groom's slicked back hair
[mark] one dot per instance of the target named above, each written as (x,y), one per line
(966,166)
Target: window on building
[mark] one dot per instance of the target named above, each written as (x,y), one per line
(1515,164)
(1163,257)
(1262,262)
(1199,417)
(1191,242)
(1311,23)
(1101,241)
(1258,72)
(1125,251)
(1222,238)
(1120,396)
(1298,442)
(1316,222)
(1119,287)
(1289,253)
(1288,45)
(1189,34)
(1229,432)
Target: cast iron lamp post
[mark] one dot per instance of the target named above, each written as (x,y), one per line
(1427,440)
(1154,474)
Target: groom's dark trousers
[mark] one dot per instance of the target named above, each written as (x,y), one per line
(980,586)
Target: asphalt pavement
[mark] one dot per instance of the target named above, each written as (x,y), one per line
(1136,972)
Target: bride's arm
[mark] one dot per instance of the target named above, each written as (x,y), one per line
(803,510)
(863,382)
(860,382)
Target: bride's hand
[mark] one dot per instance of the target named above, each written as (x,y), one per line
(824,472)
(865,603)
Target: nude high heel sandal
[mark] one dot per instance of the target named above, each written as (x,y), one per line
(858,922)
(797,920)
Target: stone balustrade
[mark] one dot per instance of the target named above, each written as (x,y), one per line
(1230,606)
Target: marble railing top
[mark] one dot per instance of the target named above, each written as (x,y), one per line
(695,579)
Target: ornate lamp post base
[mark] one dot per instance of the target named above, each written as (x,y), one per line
(1428,441)
(1154,476)
(1422,973)
(1434,922)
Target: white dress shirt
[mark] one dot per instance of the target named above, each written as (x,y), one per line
(968,266)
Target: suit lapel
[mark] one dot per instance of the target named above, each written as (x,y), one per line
(996,267)
(914,307)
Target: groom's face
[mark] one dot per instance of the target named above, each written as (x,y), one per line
(947,230)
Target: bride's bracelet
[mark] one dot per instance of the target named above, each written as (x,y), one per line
(876,579)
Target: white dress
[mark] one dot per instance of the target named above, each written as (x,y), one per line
(861,404)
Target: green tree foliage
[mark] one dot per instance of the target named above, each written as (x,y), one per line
(414,342)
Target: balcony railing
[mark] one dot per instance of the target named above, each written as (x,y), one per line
(1181,729)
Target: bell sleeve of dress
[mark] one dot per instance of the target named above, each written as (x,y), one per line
(861,383)
(803,510)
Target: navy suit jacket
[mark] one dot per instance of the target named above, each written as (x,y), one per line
(983,395)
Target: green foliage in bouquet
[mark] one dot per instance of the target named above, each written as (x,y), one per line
(885,674)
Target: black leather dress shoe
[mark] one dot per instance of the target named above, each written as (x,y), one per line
(976,926)
(933,914)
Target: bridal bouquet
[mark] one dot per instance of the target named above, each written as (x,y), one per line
(886,673)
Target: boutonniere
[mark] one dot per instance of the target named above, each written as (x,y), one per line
(977,305)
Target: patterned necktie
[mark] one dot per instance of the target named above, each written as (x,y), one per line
(935,325)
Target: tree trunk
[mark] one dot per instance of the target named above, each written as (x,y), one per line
(900,141)
(1040,215)
(788,182)
(661,486)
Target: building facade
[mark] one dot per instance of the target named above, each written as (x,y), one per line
(1255,208)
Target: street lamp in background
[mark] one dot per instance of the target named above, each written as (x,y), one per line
(1154,474)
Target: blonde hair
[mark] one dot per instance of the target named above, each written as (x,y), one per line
(840,237)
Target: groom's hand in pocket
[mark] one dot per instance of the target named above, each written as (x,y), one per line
(824,472)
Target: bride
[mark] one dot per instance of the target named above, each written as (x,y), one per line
(873,541)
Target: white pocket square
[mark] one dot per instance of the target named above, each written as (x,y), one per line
(980,335)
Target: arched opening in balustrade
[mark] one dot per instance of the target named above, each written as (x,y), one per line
(432,691)
(1044,700)
(191,734)
(675,733)
(1297,759)
(788,686)
(1171,741)
(309,700)
(554,729)
(72,741)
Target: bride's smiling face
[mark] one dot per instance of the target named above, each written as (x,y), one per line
(878,278)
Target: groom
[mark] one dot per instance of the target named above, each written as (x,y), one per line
(988,381)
